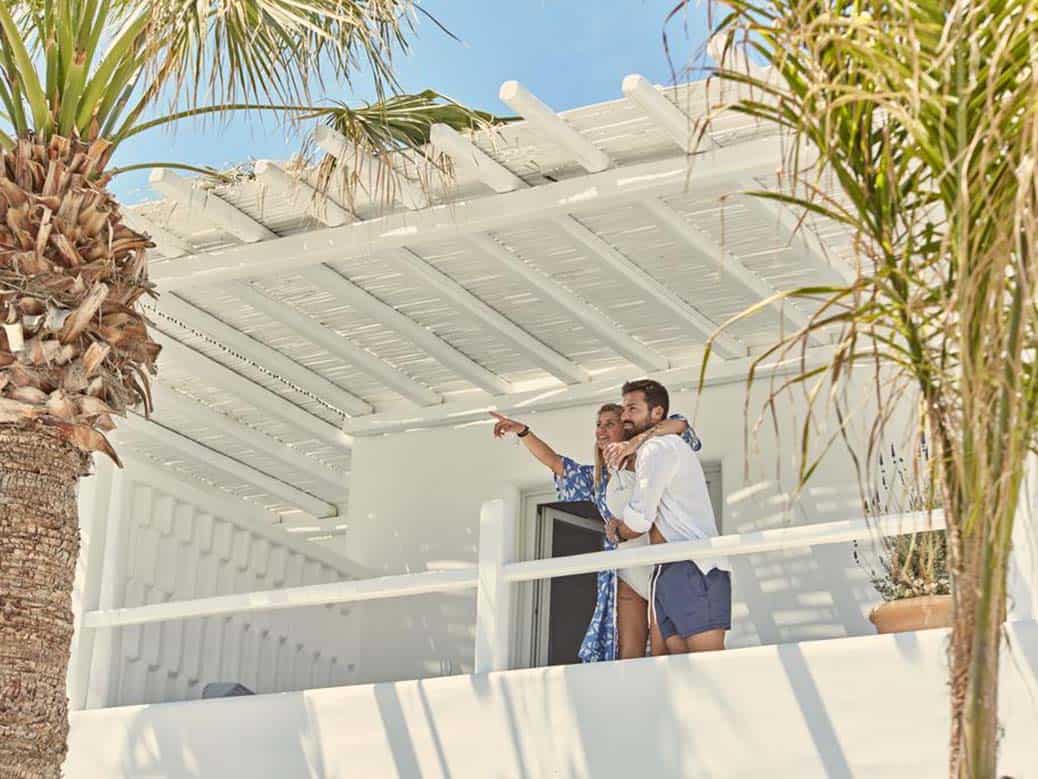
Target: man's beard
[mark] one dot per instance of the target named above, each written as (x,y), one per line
(631,429)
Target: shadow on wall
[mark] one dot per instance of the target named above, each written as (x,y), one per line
(799,594)
(395,723)
(664,717)
(419,637)
(273,735)
(424,636)
(815,710)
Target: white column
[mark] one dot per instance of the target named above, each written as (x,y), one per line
(102,661)
(493,598)
(94,492)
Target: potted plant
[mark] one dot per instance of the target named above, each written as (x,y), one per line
(913,580)
(911,572)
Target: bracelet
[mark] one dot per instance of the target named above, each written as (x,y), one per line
(526,432)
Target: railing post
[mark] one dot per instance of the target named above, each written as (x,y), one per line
(493,596)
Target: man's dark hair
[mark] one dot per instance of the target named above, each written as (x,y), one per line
(655,393)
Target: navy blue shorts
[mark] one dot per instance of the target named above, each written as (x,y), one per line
(688,601)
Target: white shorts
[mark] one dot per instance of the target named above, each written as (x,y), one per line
(637,577)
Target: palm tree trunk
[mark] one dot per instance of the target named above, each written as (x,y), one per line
(39,542)
(965,586)
(980,608)
(981,714)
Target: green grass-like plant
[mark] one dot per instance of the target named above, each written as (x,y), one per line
(913,125)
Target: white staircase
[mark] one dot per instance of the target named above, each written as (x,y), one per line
(179,541)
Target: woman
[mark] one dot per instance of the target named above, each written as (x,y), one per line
(619,603)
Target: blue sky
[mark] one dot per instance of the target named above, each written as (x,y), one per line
(568,52)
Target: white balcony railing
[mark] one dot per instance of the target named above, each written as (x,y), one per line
(495,573)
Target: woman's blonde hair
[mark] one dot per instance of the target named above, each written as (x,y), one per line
(608,408)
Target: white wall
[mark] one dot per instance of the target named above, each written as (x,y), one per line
(1023,563)
(874,706)
(415,501)
(152,537)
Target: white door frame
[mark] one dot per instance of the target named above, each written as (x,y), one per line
(527,596)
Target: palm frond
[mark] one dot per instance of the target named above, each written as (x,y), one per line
(77,67)
(243,50)
(404,121)
(388,142)
(925,118)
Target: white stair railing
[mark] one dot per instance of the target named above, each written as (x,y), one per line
(152,539)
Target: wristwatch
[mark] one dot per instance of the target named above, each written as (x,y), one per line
(526,432)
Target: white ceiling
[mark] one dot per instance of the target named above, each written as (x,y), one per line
(408,317)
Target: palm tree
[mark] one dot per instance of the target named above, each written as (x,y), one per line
(80,79)
(925,116)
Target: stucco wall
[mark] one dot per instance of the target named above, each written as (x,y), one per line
(874,706)
(415,500)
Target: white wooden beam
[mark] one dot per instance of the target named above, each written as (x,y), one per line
(526,405)
(332,485)
(726,345)
(727,263)
(165,241)
(414,266)
(249,391)
(451,221)
(318,535)
(316,204)
(735,58)
(265,357)
(465,153)
(209,206)
(799,236)
(604,328)
(675,122)
(377,176)
(554,127)
(333,343)
(210,459)
(342,289)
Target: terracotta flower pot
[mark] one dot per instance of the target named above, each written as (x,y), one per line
(922,613)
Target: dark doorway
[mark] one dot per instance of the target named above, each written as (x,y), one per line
(571,599)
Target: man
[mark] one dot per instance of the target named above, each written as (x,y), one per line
(691,608)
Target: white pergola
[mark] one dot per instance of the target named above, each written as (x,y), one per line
(567,253)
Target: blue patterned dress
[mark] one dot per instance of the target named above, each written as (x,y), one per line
(577,483)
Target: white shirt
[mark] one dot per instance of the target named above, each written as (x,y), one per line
(618,491)
(670,491)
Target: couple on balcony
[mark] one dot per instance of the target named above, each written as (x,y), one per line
(649,487)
